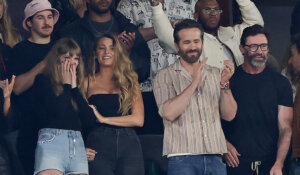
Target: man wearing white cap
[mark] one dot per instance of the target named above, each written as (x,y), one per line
(26,62)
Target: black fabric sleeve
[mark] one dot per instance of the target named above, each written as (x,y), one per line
(46,97)
(86,113)
(14,63)
(285,93)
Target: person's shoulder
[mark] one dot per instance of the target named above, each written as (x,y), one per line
(165,72)
(21,44)
(278,77)
(122,19)
(42,79)
(74,27)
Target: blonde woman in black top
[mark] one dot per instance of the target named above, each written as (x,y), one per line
(112,88)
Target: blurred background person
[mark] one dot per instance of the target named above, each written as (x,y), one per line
(9,34)
(292,73)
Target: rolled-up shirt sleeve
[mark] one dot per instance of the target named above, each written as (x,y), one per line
(163,89)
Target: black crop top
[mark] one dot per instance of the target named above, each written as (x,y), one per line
(58,111)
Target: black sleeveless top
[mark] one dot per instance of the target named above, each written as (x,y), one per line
(107,104)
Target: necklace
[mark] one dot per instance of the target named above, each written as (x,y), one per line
(100,28)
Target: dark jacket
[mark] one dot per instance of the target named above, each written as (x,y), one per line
(296,125)
(67,15)
(81,31)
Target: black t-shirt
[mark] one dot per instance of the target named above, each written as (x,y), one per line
(254,130)
(55,111)
(24,56)
(111,26)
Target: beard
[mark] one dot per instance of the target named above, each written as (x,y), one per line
(207,28)
(257,63)
(95,7)
(190,59)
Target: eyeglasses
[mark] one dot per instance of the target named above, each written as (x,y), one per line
(209,10)
(254,47)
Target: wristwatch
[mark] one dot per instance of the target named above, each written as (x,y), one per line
(225,86)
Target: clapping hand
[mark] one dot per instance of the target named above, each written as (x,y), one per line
(227,71)
(127,40)
(197,71)
(7,87)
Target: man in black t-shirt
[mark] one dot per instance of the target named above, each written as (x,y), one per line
(259,136)
(26,61)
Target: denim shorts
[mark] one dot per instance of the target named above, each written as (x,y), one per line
(61,150)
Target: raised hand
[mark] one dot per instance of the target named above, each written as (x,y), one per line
(127,40)
(154,2)
(227,71)
(73,75)
(7,87)
(174,22)
(197,71)
(66,72)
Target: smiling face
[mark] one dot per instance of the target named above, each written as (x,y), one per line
(190,44)
(105,52)
(73,59)
(259,57)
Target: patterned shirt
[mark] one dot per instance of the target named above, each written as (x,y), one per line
(140,13)
(198,129)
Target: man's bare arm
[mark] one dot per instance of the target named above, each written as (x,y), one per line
(228,106)
(285,118)
(148,33)
(26,80)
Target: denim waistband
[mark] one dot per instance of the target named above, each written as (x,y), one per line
(104,129)
(56,132)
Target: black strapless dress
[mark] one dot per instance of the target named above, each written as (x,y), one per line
(118,148)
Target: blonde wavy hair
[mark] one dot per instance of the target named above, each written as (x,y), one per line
(10,34)
(76,3)
(53,68)
(124,76)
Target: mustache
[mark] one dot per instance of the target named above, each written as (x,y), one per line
(259,55)
(46,26)
(190,51)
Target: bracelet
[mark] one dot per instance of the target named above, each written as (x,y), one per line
(225,86)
